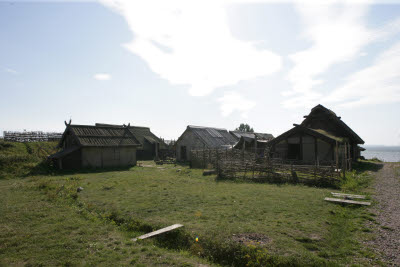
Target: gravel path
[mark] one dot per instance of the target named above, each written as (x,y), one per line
(387,190)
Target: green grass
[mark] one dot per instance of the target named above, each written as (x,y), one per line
(296,225)
(22,159)
(294,218)
(37,230)
(360,178)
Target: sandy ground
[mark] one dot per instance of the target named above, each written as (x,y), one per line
(387,194)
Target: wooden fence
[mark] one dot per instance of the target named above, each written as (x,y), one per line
(25,136)
(259,167)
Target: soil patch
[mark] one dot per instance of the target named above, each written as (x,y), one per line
(251,239)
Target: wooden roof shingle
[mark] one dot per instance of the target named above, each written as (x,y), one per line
(142,134)
(98,136)
(213,137)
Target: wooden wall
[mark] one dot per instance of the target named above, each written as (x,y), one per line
(190,141)
(104,157)
(310,148)
(147,152)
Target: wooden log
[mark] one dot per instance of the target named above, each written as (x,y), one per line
(347,195)
(339,200)
(163,230)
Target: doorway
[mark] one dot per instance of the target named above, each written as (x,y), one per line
(294,151)
(183,153)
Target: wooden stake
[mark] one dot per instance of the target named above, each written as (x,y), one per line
(337,156)
(163,230)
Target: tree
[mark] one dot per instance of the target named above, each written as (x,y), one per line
(244,127)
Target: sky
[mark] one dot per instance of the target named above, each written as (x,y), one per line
(169,64)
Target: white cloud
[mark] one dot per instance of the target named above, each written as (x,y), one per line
(102,76)
(337,33)
(233,101)
(10,71)
(376,84)
(190,43)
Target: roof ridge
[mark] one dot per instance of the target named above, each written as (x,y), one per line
(97,126)
(206,127)
(119,125)
(144,127)
(248,132)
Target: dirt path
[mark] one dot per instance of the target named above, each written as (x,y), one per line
(387,193)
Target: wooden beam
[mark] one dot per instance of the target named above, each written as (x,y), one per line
(337,156)
(338,200)
(301,146)
(316,149)
(347,195)
(163,230)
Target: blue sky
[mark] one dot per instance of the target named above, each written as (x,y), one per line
(168,64)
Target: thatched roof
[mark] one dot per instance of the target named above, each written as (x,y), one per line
(250,143)
(142,134)
(320,115)
(100,136)
(318,133)
(248,135)
(212,137)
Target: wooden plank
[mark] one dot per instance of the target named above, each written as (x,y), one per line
(347,195)
(339,200)
(160,231)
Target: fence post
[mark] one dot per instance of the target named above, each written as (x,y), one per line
(217,159)
(345,155)
(344,163)
(231,166)
(204,156)
(350,159)
(243,148)
(255,148)
(209,156)
(337,157)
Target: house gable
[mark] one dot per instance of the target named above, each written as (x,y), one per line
(326,120)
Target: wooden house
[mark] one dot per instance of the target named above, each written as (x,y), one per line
(151,145)
(322,136)
(85,146)
(251,141)
(198,137)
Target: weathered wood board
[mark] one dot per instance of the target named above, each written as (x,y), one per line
(160,231)
(339,200)
(347,195)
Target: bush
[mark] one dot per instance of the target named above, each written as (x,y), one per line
(375,159)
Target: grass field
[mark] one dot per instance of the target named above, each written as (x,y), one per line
(237,223)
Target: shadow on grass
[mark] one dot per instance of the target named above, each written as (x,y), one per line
(46,168)
(283,180)
(362,166)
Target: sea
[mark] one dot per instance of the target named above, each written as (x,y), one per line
(384,153)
